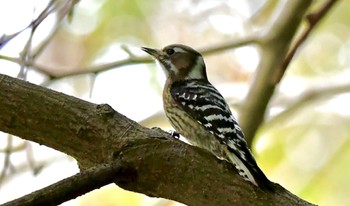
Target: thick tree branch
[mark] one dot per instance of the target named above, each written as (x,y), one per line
(96,134)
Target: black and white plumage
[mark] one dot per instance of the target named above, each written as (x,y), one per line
(198,111)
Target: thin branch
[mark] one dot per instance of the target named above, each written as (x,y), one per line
(34,166)
(50,8)
(7,161)
(309,96)
(92,69)
(24,167)
(7,38)
(17,148)
(25,55)
(131,60)
(67,7)
(34,24)
(62,8)
(227,45)
(313,19)
(126,49)
(75,186)
(274,47)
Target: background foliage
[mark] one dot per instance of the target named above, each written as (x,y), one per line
(303,144)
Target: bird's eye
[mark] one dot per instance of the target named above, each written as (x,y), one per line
(170,51)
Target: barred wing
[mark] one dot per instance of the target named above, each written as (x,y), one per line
(203,102)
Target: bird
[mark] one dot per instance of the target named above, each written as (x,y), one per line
(197,110)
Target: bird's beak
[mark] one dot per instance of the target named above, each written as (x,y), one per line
(153,52)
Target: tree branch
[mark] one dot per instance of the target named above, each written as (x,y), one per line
(74,186)
(7,162)
(275,60)
(274,47)
(306,98)
(131,60)
(313,20)
(96,134)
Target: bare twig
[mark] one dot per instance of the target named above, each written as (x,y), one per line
(62,11)
(24,167)
(34,24)
(248,40)
(313,19)
(25,54)
(34,166)
(309,96)
(131,60)
(126,49)
(7,162)
(16,148)
(83,182)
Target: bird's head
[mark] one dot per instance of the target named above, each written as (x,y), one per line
(179,62)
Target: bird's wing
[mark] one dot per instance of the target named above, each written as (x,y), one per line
(203,102)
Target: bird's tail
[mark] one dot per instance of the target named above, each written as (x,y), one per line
(249,170)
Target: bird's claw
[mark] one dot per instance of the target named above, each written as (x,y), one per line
(174,134)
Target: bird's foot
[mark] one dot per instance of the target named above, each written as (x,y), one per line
(174,134)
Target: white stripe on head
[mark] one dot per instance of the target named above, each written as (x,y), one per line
(197,71)
(178,49)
